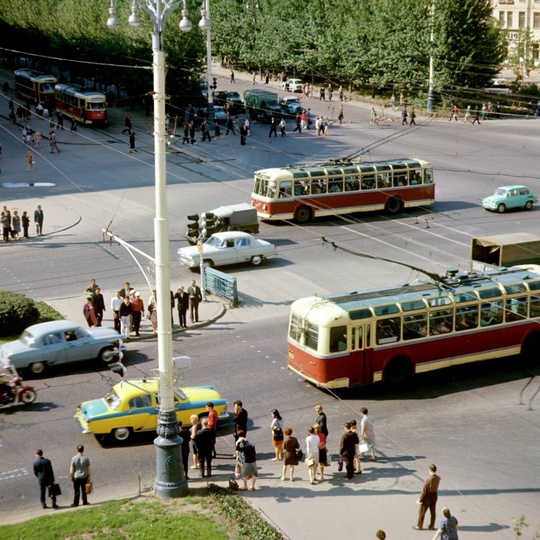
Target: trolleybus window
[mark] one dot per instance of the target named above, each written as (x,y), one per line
(441,322)
(491,313)
(415,326)
(312,336)
(338,339)
(466,318)
(388,330)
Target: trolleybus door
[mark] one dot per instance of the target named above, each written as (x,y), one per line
(361,356)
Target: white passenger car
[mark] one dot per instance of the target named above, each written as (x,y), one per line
(292,85)
(231,247)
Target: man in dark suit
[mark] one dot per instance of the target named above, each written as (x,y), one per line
(38,218)
(347,448)
(182,298)
(99,305)
(428,498)
(205,440)
(45,475)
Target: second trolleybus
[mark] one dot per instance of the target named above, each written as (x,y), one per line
(362,337)
(85,106)
(303,193)
(34,86)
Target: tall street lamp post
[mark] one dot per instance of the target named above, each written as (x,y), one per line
(170,480)
(205,25)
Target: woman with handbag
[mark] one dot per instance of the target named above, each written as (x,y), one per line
(277,434)
(322,450)
(312,454)
(291,445)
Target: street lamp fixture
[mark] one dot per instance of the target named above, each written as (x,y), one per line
(170,479)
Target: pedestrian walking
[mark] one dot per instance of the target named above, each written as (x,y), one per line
(312,454)
(127,125)
(413,116)
(125,317)
(282,126)
(393,102)
(273,127)
(132,143)
(367,432)
(254,78)
(137,310)
(428,498)
(80,474)
(340,114)
(60,120)
(404,115)
(323,456)
(476,117)
(53,143)
(448,529)
(29,161)
(205,131)
(90,313)
(298,124)
(373,117)
(38,220)
(330,92)
(232,77)
(321,94)
(340,93)
(243,134)
(467,117)
(116,302)
(73,129)
(185,136)
(99,305)
(192,131)
(36,138)
(44,473)
(212,423)
(240,419)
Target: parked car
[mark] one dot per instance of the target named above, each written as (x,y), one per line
(132,406)
(220,115)
(292,85)
(507,197)
(224,248)
(58,342)
(232,100)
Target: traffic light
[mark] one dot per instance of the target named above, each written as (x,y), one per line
(193,228)
(207,224)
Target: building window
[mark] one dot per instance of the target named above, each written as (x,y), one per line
(521,22)
(501,18)
(510,19)
(536,19)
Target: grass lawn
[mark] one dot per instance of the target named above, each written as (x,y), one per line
(211,513)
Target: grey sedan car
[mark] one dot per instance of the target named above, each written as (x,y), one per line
(58,342)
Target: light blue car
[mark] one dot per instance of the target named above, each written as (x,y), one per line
(58,342)
(507,197)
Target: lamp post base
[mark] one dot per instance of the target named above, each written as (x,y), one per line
(170,479)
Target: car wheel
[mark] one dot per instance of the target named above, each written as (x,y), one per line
(107,355)
(37,368)
(256,260)
(122,434)
(528,205)
(501,208)
(209,262)
(28,396)
(303,214)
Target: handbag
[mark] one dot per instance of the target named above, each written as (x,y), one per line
(278,434)
(233,484)
(299,454)
(89,487)
(310,462)
(54,490)
(364,446)
(340,464)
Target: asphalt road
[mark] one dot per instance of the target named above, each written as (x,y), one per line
(479,424)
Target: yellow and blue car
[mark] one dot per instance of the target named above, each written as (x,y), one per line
(132,406)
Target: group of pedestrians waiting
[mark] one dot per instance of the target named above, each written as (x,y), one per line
(13,225)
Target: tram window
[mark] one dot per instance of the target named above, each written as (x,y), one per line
(411,306)
(440,322)
(352,184)
(338,339)
(388,330)
(491,313)
(295,328)
(466,318)
(368,182)
(515,289)
(415,326)
(428,176)
(534,307)
(357,341)
(300,188)
(335,185)
(312,336)
(400,179)
(383,180)
(516,309)
(415,177)
(318,186)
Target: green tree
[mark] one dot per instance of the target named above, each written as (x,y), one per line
(468,46)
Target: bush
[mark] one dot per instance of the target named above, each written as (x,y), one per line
(17,312)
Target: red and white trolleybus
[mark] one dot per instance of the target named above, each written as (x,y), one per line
(34,86)
(85,106)
(361,337)
(329,189)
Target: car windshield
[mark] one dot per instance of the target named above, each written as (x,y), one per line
(501,192)
(233,95)
(214,241)
(113,400)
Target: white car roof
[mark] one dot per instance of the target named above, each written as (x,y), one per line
(227,235)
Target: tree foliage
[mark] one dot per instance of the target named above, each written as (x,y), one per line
(362,42)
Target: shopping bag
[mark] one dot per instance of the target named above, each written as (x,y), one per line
(340,464)
(89,487)
(364,446)
(54,490)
